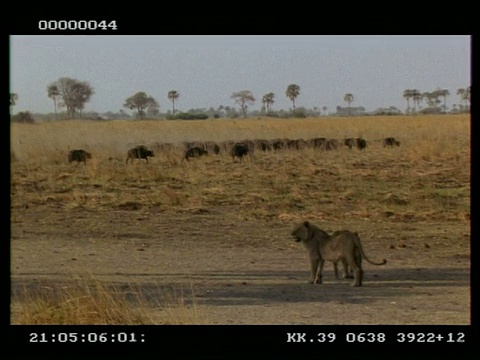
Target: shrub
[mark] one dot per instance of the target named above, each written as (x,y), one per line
(23,117)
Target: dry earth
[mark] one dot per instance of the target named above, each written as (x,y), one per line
(243,272)
(233,261)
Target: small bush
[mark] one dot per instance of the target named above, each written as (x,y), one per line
(23,117)
(188,116)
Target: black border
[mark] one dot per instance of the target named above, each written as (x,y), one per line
(260,340)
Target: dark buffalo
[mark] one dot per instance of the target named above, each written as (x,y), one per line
(263,145)
(212,147)
(331,144)
(361,143)
(390,141)
(239,150)
(297,144)
(349,142)
(194,152)
(278,144)
(317,143)
(79,155)
(139,152)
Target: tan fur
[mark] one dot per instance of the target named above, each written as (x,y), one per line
(342,246)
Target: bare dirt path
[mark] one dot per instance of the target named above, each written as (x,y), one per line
(237,271)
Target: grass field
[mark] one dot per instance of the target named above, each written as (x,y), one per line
(423,185)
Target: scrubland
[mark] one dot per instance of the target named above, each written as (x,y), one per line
(134,226)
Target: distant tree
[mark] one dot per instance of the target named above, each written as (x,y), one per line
(464,95)
(416,97)
(268,101)
(428,98)
(53,93)
(140,101)
(13,100)
(433,98)
(74,94)
(444,93)
(243,98)
(325,109)
(348,98)
(408,94)
(122,114)
(173,95)
(292,93)
(461,94)
(153,110)
(23,117)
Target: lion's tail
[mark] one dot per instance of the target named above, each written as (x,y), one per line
(383,262)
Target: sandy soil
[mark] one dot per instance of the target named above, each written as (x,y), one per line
(238,271)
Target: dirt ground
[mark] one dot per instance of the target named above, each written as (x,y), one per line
(246,271)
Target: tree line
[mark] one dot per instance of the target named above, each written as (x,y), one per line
(72,95)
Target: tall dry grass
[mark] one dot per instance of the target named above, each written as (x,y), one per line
(428,174)
(85,300)
(48,142)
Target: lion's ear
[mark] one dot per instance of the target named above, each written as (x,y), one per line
(306,223)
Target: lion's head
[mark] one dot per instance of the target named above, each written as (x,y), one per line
(300,232)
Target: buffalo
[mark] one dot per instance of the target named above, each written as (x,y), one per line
(390,141)
(317,143)
(278,144)
(297,144)
(361,143)
(79,156)
(212,147)
(263,145)
(139,152)
(239,150)
(349,142)
(194,152)
(331,144)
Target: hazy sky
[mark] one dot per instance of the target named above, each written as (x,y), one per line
(207,70)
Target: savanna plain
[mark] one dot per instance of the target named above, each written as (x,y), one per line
(207,241)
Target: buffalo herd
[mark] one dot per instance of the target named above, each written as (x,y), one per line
(237,149)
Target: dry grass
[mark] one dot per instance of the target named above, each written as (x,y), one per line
(426,180)
(428,175)
(89,301)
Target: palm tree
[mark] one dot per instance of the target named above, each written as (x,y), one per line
(461,94)
(429,99)
(292,92)
(464,95)
(173,96)
(408,94)
(444,93)
(417,96)
(52,92)
(267,100)
(348,98)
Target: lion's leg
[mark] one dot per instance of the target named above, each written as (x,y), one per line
(347,271)
(358,277)
(314,263)
(318,277)
(358,269)
(335,269)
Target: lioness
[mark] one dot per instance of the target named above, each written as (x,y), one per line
(343,246)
